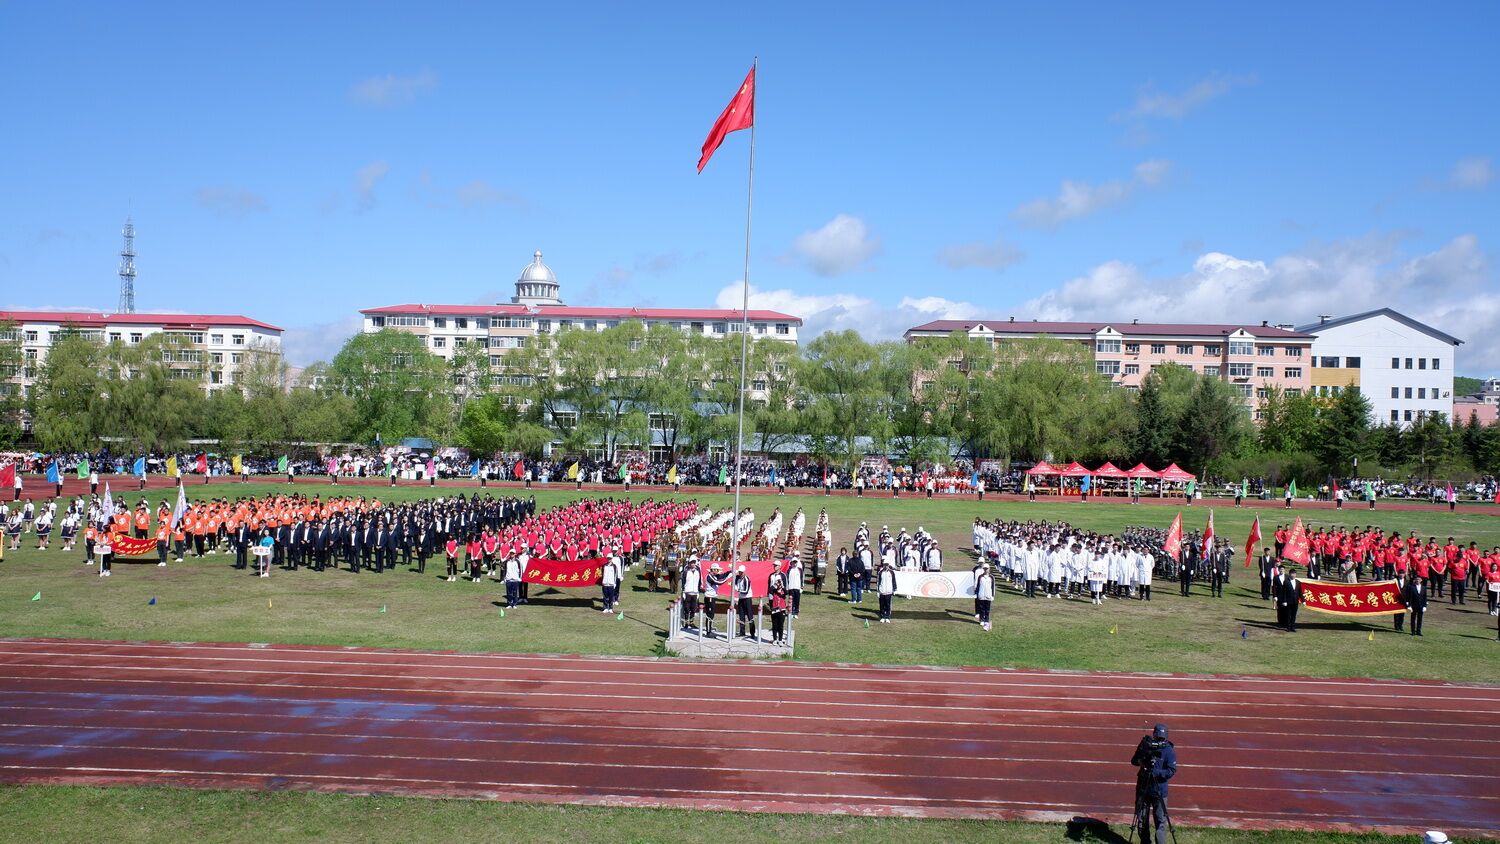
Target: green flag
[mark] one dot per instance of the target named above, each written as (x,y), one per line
(1137,486)
(1244,487)
(1369,491)
(382,607)
(1291,489)
(1192,488)
(36,597)
(624,473)
(83,468)
(723,474)
(281,464)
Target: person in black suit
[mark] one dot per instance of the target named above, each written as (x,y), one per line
(1288,599)
(1399,619)
(1267,569)
(242,540)
(1416,603)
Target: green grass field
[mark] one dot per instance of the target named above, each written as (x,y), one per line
(208,601)
(58,814)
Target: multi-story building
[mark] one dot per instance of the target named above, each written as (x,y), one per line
(1405,368)
(218,344)
(1254,358)
(537,308)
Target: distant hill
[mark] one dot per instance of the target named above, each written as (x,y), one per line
(1466,386)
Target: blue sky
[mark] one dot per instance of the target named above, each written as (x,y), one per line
(300,161)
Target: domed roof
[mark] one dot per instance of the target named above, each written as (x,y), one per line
(537,271)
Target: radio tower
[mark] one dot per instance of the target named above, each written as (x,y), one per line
(127,270)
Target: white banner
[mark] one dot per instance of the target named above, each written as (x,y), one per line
(935,584)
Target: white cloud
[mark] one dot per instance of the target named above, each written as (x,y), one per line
(990,256)
(231,201)
(840,311)
(1080,199)
(842,245)
(320,342)
(1150,102)
(1452,288)
(365,180)
(393,90)
(481,194)
(1471,174)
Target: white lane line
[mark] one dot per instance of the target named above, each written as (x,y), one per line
(923,683)
(570,696)
(352,675)
(965,674)
(862,733)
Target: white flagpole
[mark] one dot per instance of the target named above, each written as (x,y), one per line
(739,440)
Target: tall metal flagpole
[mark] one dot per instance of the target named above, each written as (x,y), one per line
(739,437)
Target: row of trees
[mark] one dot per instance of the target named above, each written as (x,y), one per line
(838,397)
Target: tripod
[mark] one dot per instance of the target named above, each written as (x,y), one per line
(1138,819)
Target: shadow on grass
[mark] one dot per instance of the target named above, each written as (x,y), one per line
(1349,626)
(1092,829)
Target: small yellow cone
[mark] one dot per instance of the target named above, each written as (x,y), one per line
(268,603)
(1114,629)
(1372,636)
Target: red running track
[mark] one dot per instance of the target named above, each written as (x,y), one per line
(1261,752)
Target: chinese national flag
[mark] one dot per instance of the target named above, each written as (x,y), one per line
(1208,536)
(739,114)
(1297,549)
(1173,545)
(1250,543)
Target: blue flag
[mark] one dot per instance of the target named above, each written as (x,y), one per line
(139,469)
(773,475)
(152,602)
(974,480)
(476,468)
(1087,482)
(53,476)
(890,478)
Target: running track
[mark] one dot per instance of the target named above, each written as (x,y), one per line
(1263,752)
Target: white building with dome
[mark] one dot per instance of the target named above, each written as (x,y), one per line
(537,285)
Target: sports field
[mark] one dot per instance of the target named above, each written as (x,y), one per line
(206,600)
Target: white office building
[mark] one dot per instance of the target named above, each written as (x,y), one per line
(1405,368)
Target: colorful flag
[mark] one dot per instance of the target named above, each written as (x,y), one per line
(520,469)
(333,465)
(180,509)
(474,470)
(1245,489)
(1291,488)
(1173,543)
(1252,540)
(139,469)
(83,468)
(1208,536)
(431,468)
(53,475)
(672,475)
(739,114)
(1369,491)
(724,474)
(282,463)
(573,471)
(1297,548)
(201,466)
(236,464)
(625,472)
(172,466)
(1449,496)
(773,476)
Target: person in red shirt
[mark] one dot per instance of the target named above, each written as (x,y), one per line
(1492,582)
(1458,573)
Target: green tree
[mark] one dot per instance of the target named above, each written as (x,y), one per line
(840,377)
(397,387)
(71,385)
(1344,430)
(12,402)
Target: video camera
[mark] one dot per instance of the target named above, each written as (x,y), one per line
(1148,756)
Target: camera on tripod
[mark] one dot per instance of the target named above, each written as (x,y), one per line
(1155,759)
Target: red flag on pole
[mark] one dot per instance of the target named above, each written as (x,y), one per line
(1173,545)
(8,476)
(202,463)
(520,469)
(1208,536)
(739,114)
(1297,549)
(1250,542)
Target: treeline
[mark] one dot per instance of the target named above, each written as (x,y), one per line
(837,398)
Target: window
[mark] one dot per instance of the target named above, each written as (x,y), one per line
(1213,351)
(1421,363)
(1351,363)
(31,336)
(439,322)
(1132,369)
(1408,416)
(236,357)
(239,339)
(1262,392)
(736,328)
(1293,391)
(1244,390)
(1408,392)
(1266,351)
(1241,347)
(695,327)
(1437,363)
(461,323)
(1335,390)
(1184,348)
(1107,367)
(661,421)
(1240,370)
(216,357)
(1395,363)
(1211,371)
(1132,348)
(440,342)
(1328,363)
(482,323)
(1265,372)
(758,385)
(783,328)
(406,319)
(544,326)
(1408,363)
(760,328)
(135,337)
(1111,347)
(1294,351)
(1158,348)
(1292,372)
(719,327)
(216,339)
(378,321)
(460,342)
(565,418)
(1421,392)
(590,325)
(1395,392)
(1395,414)
(215,377)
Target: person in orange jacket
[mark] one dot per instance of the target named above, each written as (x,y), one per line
(163,533)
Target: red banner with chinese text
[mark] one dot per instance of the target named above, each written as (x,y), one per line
(127,546)
(564,573)
(1378,598)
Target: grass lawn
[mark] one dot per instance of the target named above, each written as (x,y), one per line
(208,601)
(62,814)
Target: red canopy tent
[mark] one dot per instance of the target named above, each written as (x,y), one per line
(1109,470)
(1042,468)
(1075,470)
(1141,470)
(1172,473)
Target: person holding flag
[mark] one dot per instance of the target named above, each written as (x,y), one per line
(1370,494)
(237,466)
(285,465)
(54,477)
(93,476)
(477,472)
(1291,492)
(1451,497)
(724,477)
(1217,560)
(201,465)
(431,472)
(172,468)
(1239,491)
(625,475)
(10,475)
(139,470)
(674,479)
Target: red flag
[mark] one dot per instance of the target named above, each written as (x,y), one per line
(739,114)
(1297,549)
(520,469)
(1208,536)
(203,464)
(1250,543)
(8,476)
(825,474)
(1173,545)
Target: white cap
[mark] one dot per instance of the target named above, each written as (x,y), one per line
(1433,836)
(741,568)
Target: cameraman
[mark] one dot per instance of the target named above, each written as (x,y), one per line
(1157,761)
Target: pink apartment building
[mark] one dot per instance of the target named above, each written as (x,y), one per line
(1254,358)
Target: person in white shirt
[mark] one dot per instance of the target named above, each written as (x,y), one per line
(794,586)
(512,581)
(885,587)
(1098,573)
(610,582)
(984,595)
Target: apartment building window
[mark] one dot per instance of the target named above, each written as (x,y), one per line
(1107,367)
(564,324)
(614,323)
(1294,391)
(1395,416)
(565,418)
(378,321)
(1294,351)
(760,328)
(783,328)
(1408,416)
(1210,371)
(1395,363)
(216,357)
(460,342)
(1266,351)
(720,327)
(461,323)
(1158,348)
(1408,392)
(1240,370)
(1132,348)
(1421,363)
(590,325)
(440,342)
(695,327)
(661,421)
(736,328)
(1265,372)
(114,337)
(1132,369)
(1184,348)
(1421,392)
(31,336)
(1110,347)
(544,326)
(495,360)
(1351,363)
(1262,392)
(236,357)
(482,323)
(1240,347)
(1408,363)
(405,319)
(1328,363)
(1213,351)
(758,385)
(1437,363)
(1244,390)
(1292,372)
(1395,392)
(439,322)
(216,339)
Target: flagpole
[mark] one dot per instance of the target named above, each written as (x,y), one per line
(739,437)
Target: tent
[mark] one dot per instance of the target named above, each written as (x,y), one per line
(1075,470)
(1174,474)
(1042,468)
(1109,470)
(1141,470)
